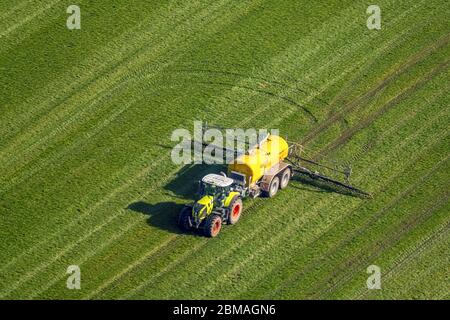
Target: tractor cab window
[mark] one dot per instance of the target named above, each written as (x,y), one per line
(222,192)
(208,189)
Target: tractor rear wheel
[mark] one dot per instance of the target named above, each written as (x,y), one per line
(184,219)
(285,177)
(213,225)
(273,188)
(235,210)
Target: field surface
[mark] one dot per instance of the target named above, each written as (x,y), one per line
(86,176)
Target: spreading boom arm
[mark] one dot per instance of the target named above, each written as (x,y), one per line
(310,167)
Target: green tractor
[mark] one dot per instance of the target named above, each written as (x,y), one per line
(220,201)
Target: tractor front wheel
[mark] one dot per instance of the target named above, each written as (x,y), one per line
(184,219)
(213,225)
(235,210)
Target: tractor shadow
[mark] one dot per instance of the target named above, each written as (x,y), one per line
(164,215)
(185,183)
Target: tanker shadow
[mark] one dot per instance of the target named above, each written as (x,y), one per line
(185,183)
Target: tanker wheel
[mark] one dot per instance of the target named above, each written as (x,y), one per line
(213,226)
(184,219)
(285,177)
(273,188)
(235,210)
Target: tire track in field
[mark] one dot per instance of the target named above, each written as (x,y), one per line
(289,100)
(119,78)
(361,259)
(63,153)
(150,254)
(414,253)
(80,141)
(287,234)
(281,58)
(404,143)
(403,68)
(132,37)
(167,268)
(429,275)
(27,18)
(67,248)
(261,81)
(120,189)
(129,65)
(267,247)
(349,133)
(419,250)
(423,275)
(367,224)
(385,133)
(356,45)
(239,244)
(380,212)
(12,10)
(439,268)
(68,150)
(103,245)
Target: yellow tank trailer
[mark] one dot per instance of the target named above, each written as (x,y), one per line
(262,168)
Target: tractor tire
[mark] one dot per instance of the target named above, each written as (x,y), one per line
(213,225)
(184,219)
(235,210)
(285,177)
(273,188)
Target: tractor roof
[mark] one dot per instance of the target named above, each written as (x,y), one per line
(217,180)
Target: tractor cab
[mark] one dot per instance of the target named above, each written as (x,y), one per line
(215,185)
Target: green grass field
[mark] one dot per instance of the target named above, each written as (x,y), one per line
(86,176)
